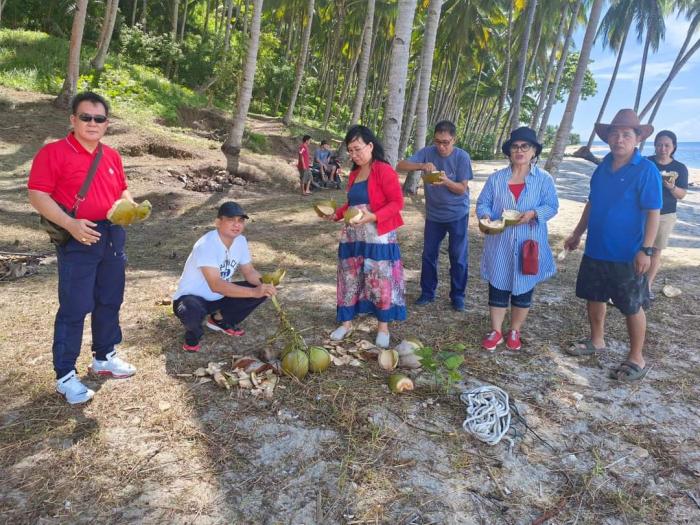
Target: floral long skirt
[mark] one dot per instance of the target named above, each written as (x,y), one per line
(370,274)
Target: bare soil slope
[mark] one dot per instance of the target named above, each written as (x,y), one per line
(163,448)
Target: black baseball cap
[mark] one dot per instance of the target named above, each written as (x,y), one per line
(231,209)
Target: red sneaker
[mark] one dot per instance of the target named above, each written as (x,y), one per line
(219,325)
(513,340)
(491,341)
(191,348)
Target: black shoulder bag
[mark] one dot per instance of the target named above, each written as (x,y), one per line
(59,235)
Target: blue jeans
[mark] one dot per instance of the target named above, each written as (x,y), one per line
(499,298)
(90,281)
(458,248)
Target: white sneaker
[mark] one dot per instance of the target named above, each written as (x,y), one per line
(113,367)
(339,333)
(70,387)
(383,339)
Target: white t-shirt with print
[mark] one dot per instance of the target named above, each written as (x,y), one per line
(209,251)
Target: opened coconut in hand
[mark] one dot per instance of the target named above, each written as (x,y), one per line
(325,208)
(511,217)
(353,215)
(491,227)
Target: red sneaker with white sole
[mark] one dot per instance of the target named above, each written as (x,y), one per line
(219,325)
(513,340)
(191,348)
(491,341)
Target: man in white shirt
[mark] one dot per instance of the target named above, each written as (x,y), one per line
(206,288)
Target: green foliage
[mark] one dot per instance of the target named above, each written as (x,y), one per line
(255,142)
(589,88)
(443,365)
(550,134)
(479,147)
(148,49)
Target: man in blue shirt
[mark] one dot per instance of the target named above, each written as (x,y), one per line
(622,218)
(446,212)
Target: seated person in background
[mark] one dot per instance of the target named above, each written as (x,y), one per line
(205,288)
(322,162)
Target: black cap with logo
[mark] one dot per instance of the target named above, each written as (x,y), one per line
(231,209)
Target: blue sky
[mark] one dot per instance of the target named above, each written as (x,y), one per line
(679,110)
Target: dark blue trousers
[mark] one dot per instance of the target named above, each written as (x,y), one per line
(192,309)
(90,281)
(458,248)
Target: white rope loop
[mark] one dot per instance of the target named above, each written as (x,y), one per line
(488,413)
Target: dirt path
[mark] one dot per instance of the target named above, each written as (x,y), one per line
(162,448)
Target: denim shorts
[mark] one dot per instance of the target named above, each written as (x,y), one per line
(599,281)
(499,298)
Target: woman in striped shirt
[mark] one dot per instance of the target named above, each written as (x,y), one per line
(524,187)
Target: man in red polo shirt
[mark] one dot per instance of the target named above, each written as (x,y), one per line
(91,265)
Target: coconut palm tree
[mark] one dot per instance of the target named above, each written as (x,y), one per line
(70,84)
(522,63)
(234,142)
(506,76)
(105,34)
(301,62)
(364,64)
(398,69)
(562,137)
(649,15)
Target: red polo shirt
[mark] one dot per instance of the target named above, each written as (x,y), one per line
(303,157)
(60,168)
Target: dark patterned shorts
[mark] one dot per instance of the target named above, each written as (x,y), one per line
(599,281)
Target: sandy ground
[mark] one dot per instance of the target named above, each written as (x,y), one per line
(162,448)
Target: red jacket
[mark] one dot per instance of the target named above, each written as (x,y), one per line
(385,196)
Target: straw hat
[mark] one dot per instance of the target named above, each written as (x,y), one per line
(625,118)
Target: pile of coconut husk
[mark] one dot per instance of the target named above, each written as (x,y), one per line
(246,373)
(16,265)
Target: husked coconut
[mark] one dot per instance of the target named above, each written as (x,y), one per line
(407,356)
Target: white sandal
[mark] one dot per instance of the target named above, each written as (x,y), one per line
(339,333)
(383,340)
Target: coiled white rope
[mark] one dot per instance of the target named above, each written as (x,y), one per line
(488,413)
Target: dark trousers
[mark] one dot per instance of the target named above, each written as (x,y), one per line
(458,248)
(192,309)
(90,281)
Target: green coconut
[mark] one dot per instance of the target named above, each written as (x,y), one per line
(511,217)
(491,227)
(325,208)
(432,177)
(296,364)
(352,215)
(319,359)
(274,278)
(399,383)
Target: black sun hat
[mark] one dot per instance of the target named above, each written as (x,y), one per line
(526,135)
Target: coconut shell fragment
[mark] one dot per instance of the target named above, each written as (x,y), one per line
(399,383)
(352,215)
(325,208)
(388,359)
(124,212)
(491,227)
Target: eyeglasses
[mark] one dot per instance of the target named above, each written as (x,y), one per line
(443,143)
(99,119)
(525,146)
(355,151)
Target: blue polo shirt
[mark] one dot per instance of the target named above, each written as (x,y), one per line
(442,205)
(620,201)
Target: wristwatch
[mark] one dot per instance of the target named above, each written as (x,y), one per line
(648,250)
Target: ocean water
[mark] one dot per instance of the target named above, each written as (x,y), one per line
(688,152)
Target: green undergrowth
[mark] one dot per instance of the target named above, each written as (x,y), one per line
(35,61)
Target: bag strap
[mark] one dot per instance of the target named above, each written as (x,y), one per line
(80,197)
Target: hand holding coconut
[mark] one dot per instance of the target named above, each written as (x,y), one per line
(527,217)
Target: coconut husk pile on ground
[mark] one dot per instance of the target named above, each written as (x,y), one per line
(337,447)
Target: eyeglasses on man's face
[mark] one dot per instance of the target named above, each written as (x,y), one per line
(523,146)
(86,117)
(443,143)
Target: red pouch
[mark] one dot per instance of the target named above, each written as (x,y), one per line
(529,257)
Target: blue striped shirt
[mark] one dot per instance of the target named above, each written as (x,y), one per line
(500,261)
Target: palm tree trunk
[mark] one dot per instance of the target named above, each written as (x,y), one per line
(506,77)
(205,25)
(640,84)
(227,34)
(393,108)
(105,35)
(470,114)
(522,63)
(548,73)
(133,12)
(70,84)
(562,137)
(301,62)
(232,147)
(560,71)
(410,113)
(426,71)
(173,33)
(610,86)
(364,64)
(144,15)
(184,22)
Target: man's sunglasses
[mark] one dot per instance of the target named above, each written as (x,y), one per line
(99,119)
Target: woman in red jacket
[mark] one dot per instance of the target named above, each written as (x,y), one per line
(370,272)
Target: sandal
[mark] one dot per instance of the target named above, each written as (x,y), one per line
(339,333)
(628,371)
(587,349)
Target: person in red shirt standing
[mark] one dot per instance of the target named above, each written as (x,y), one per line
(304,165)
(91,265)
